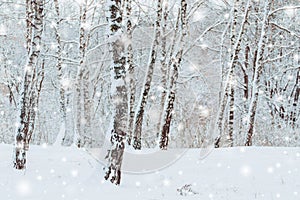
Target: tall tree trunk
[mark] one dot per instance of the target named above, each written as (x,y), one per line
(164,66)
(231,116)
(166,70)
(62,101)
(80,82)
(29,20)
(147,83)
(245,72)
(164,139)
(230,77)
(232,85)
(118,92)
(258,71)
(29,95)
(131,71)
(87,109)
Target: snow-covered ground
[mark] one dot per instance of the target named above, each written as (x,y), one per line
(55,173)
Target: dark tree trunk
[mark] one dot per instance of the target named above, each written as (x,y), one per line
(257,73)
(131,72)
(118,94)
(30,89)
(137,144)
(227,88)
(164,139)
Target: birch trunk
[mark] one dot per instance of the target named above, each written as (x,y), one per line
(29,21)
(118,93)
(164,139)
(258,70)
(131,71)
(66,140)
(80,82)
(147,83)
(28,96)
(164,66)
(232,71)
(229,79)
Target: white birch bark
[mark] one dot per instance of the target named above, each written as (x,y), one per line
(29,94)
(131,70)
(148,79)
(164,138)
(256,79)
(118,92)
(229,79)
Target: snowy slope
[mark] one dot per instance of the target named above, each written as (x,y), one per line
(55,173)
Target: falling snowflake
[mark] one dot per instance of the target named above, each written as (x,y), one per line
(166,182)
(270,170)
(226,16)
(3,30)
(74,173)
(296,57)
(199,15)
(24,188)
(245,171)
(278,165)
(39,178)
(137,184)
(44,145)
(66,83)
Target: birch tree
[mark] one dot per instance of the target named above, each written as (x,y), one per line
(232,71)
(148,79)
(258,70)
(230,77)
(82,71)
(67,135)
(29,92)
(118,91)
(176,62)
(84,104)
(131,69)
(163,61)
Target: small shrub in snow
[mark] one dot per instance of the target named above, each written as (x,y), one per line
(186,190)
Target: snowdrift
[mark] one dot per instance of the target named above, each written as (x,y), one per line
(236,174)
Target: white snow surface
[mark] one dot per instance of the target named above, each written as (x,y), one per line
(239,173)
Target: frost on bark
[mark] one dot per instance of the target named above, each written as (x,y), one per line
(230,77)
(232,71)
(83,97)
(30,89)
(118,92)
(257,72)
(164,65)
(164,138)
(148,79)
(131,70)
(29,20)
(67,138)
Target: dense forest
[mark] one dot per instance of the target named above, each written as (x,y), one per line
(163,73)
